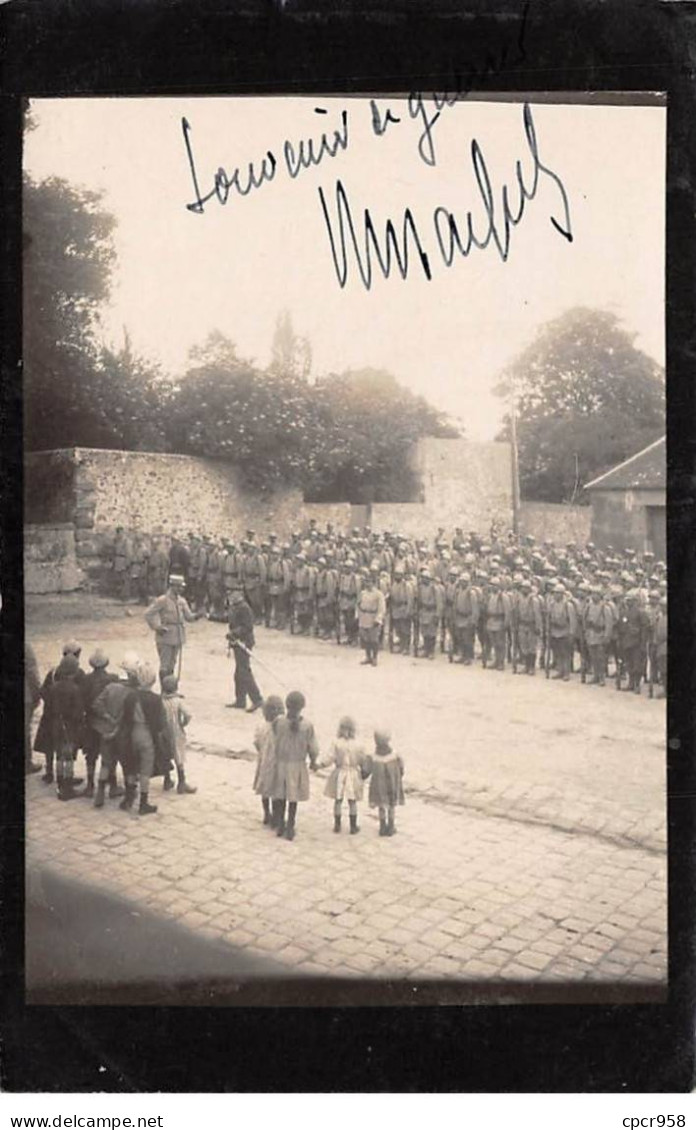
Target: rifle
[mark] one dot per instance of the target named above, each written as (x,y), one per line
(514,647)
(337,620)
(651,670)
(391,630)
(416,628)
(547,649)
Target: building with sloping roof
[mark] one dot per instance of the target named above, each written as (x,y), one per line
(629,503)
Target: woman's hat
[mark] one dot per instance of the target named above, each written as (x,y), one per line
(99,658)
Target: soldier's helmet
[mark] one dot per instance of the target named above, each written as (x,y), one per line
(465,578)
(525,583)
(321,561)
(300,557)
(453,571)
(494,582)
(424,573)
(399,571)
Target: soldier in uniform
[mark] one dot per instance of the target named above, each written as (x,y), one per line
(598,627)
(121,564)
(214,586)
(561,628)
(449,590)
(304,582)
(348,593)
(528,626)
(254,578)
(372,610)
(167,616)
(326,590)
(632,639)
(179,559)
(401,609)
(466,607)
(430,605)
(230,571)
(240,638)
(275,588)
(139,566)
(660,638)
(497,609)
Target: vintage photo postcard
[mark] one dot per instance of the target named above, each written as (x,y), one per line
(345,549)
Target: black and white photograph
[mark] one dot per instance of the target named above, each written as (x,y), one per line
(345,568)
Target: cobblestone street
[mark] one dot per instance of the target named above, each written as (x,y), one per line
(531,847)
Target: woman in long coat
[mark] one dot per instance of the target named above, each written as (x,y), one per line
(295,743)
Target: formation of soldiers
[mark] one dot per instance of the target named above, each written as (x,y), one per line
(503,599)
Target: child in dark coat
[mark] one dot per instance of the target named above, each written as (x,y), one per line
(386,782)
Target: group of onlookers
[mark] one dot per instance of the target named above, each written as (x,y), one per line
(114,720)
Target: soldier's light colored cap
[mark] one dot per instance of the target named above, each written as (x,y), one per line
(72,647)
(176,579)
(494,581)
(525,583)
(99,658)
(632,594)
(559,587)
(466,577)
(130,662)
(146,676)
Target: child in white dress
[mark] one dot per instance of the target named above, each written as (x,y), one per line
(351,766)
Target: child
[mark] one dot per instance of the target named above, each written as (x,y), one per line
(67,716)
(92,686)
(346,779)
(386,783)
(295,742)
(177,719)
(264,740)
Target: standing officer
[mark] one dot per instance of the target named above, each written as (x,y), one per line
(632,638)
(240,638)
(167,616)
(348,593)
(275,582)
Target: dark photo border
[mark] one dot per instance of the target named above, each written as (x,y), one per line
(185,47)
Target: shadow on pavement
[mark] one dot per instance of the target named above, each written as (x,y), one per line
(85,947)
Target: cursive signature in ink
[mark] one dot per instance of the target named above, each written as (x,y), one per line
(503,210)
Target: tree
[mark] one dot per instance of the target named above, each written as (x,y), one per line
(586,398)
(129,401)
(68,255)
(291,355)
(261,421)
(369,425)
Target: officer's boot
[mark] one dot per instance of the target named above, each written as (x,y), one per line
(382,825)
(99,798)
(129,798)
(267,819)
(48,775)
(391,830)
(183,785)
(146,809)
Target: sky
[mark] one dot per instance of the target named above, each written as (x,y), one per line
(597,171)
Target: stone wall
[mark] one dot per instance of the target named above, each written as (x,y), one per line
(556,522)
(50,560)
(461,484)
(96,491)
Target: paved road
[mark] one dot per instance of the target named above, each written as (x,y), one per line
(515,863)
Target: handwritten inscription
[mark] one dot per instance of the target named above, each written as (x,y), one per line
(502,210)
